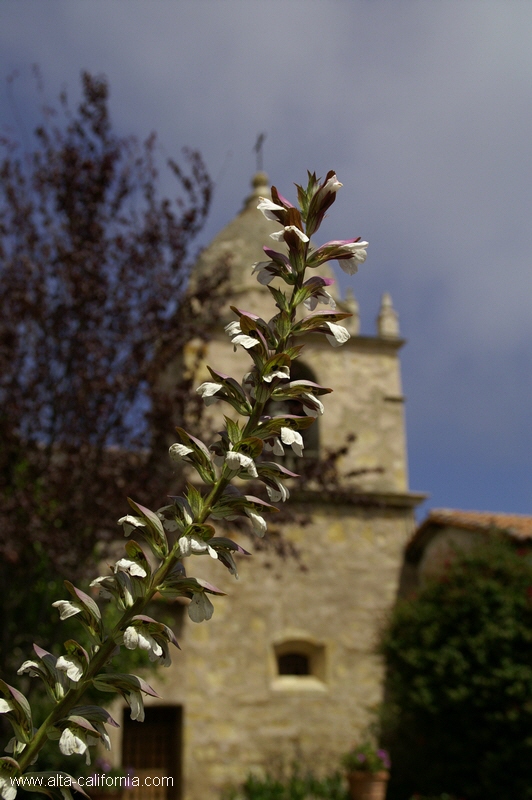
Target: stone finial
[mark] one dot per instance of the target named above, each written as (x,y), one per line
(388,320)
(260,187)
(351,305)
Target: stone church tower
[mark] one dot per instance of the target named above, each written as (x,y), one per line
(286,669)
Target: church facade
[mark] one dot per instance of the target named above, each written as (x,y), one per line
(286,670)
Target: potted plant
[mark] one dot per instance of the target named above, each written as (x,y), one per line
(367,768)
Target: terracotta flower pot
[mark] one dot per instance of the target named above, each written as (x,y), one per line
(368,785)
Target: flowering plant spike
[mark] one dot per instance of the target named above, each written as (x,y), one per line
(182,529)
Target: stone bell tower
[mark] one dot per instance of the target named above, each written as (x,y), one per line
(287,668)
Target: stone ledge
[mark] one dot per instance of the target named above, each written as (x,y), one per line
(350,497)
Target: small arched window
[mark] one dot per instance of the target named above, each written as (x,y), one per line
(293,664)
(299,662)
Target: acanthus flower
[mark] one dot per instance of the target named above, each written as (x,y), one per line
(283,373)
(73,741)
(72,666)
(332,184)
(338,334)
(312,406)
(193,546)
(8,790)
(136,704)
(280,236)
(136,636)
(129,523)
(266,272)
(259,523)
(131,568)
(348,252)
(280,494)
(294,439)
(356,253)
(319,294)
(234,332)
(238,461)
(208,390)
(67,608)
(271,210)
(179,452)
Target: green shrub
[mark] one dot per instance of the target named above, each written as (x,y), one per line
(298,785)
(459,660)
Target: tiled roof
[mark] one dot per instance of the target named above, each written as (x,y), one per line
(518,526)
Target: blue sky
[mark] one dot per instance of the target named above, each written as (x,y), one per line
(424,109)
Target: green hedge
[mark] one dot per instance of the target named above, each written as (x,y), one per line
(459,660)
(298,785)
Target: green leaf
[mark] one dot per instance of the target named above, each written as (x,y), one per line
(252,446)
(195,500)
(282,325)
(233,431)
(280,298)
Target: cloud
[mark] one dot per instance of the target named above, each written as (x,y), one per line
(424,111)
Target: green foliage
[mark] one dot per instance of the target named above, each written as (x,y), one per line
(443,796)
(459,659)
(298,785)
(366,758)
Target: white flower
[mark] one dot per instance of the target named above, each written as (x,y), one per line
(130,523)
(179,451)
(268,207)
(104,739)
(105,594)
(207,390)
(6,706)
(232,328)
(278,449)
(192,546)
(339,335)
(279,235)
(238,461)
(357,255)
(126,591)
(246,341)
(234,331)
(312,406)
(332,185)
(71,742)
(130,567)
(137,637)
(258,522)
(7,790)
(320,296)
(67,608)
(282,372)
(265,273)
(31,667)
(280,494)
(16,747)
(200,607)
(72,666)
(293,438)
(136,705)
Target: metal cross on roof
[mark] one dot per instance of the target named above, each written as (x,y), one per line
(258,150)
